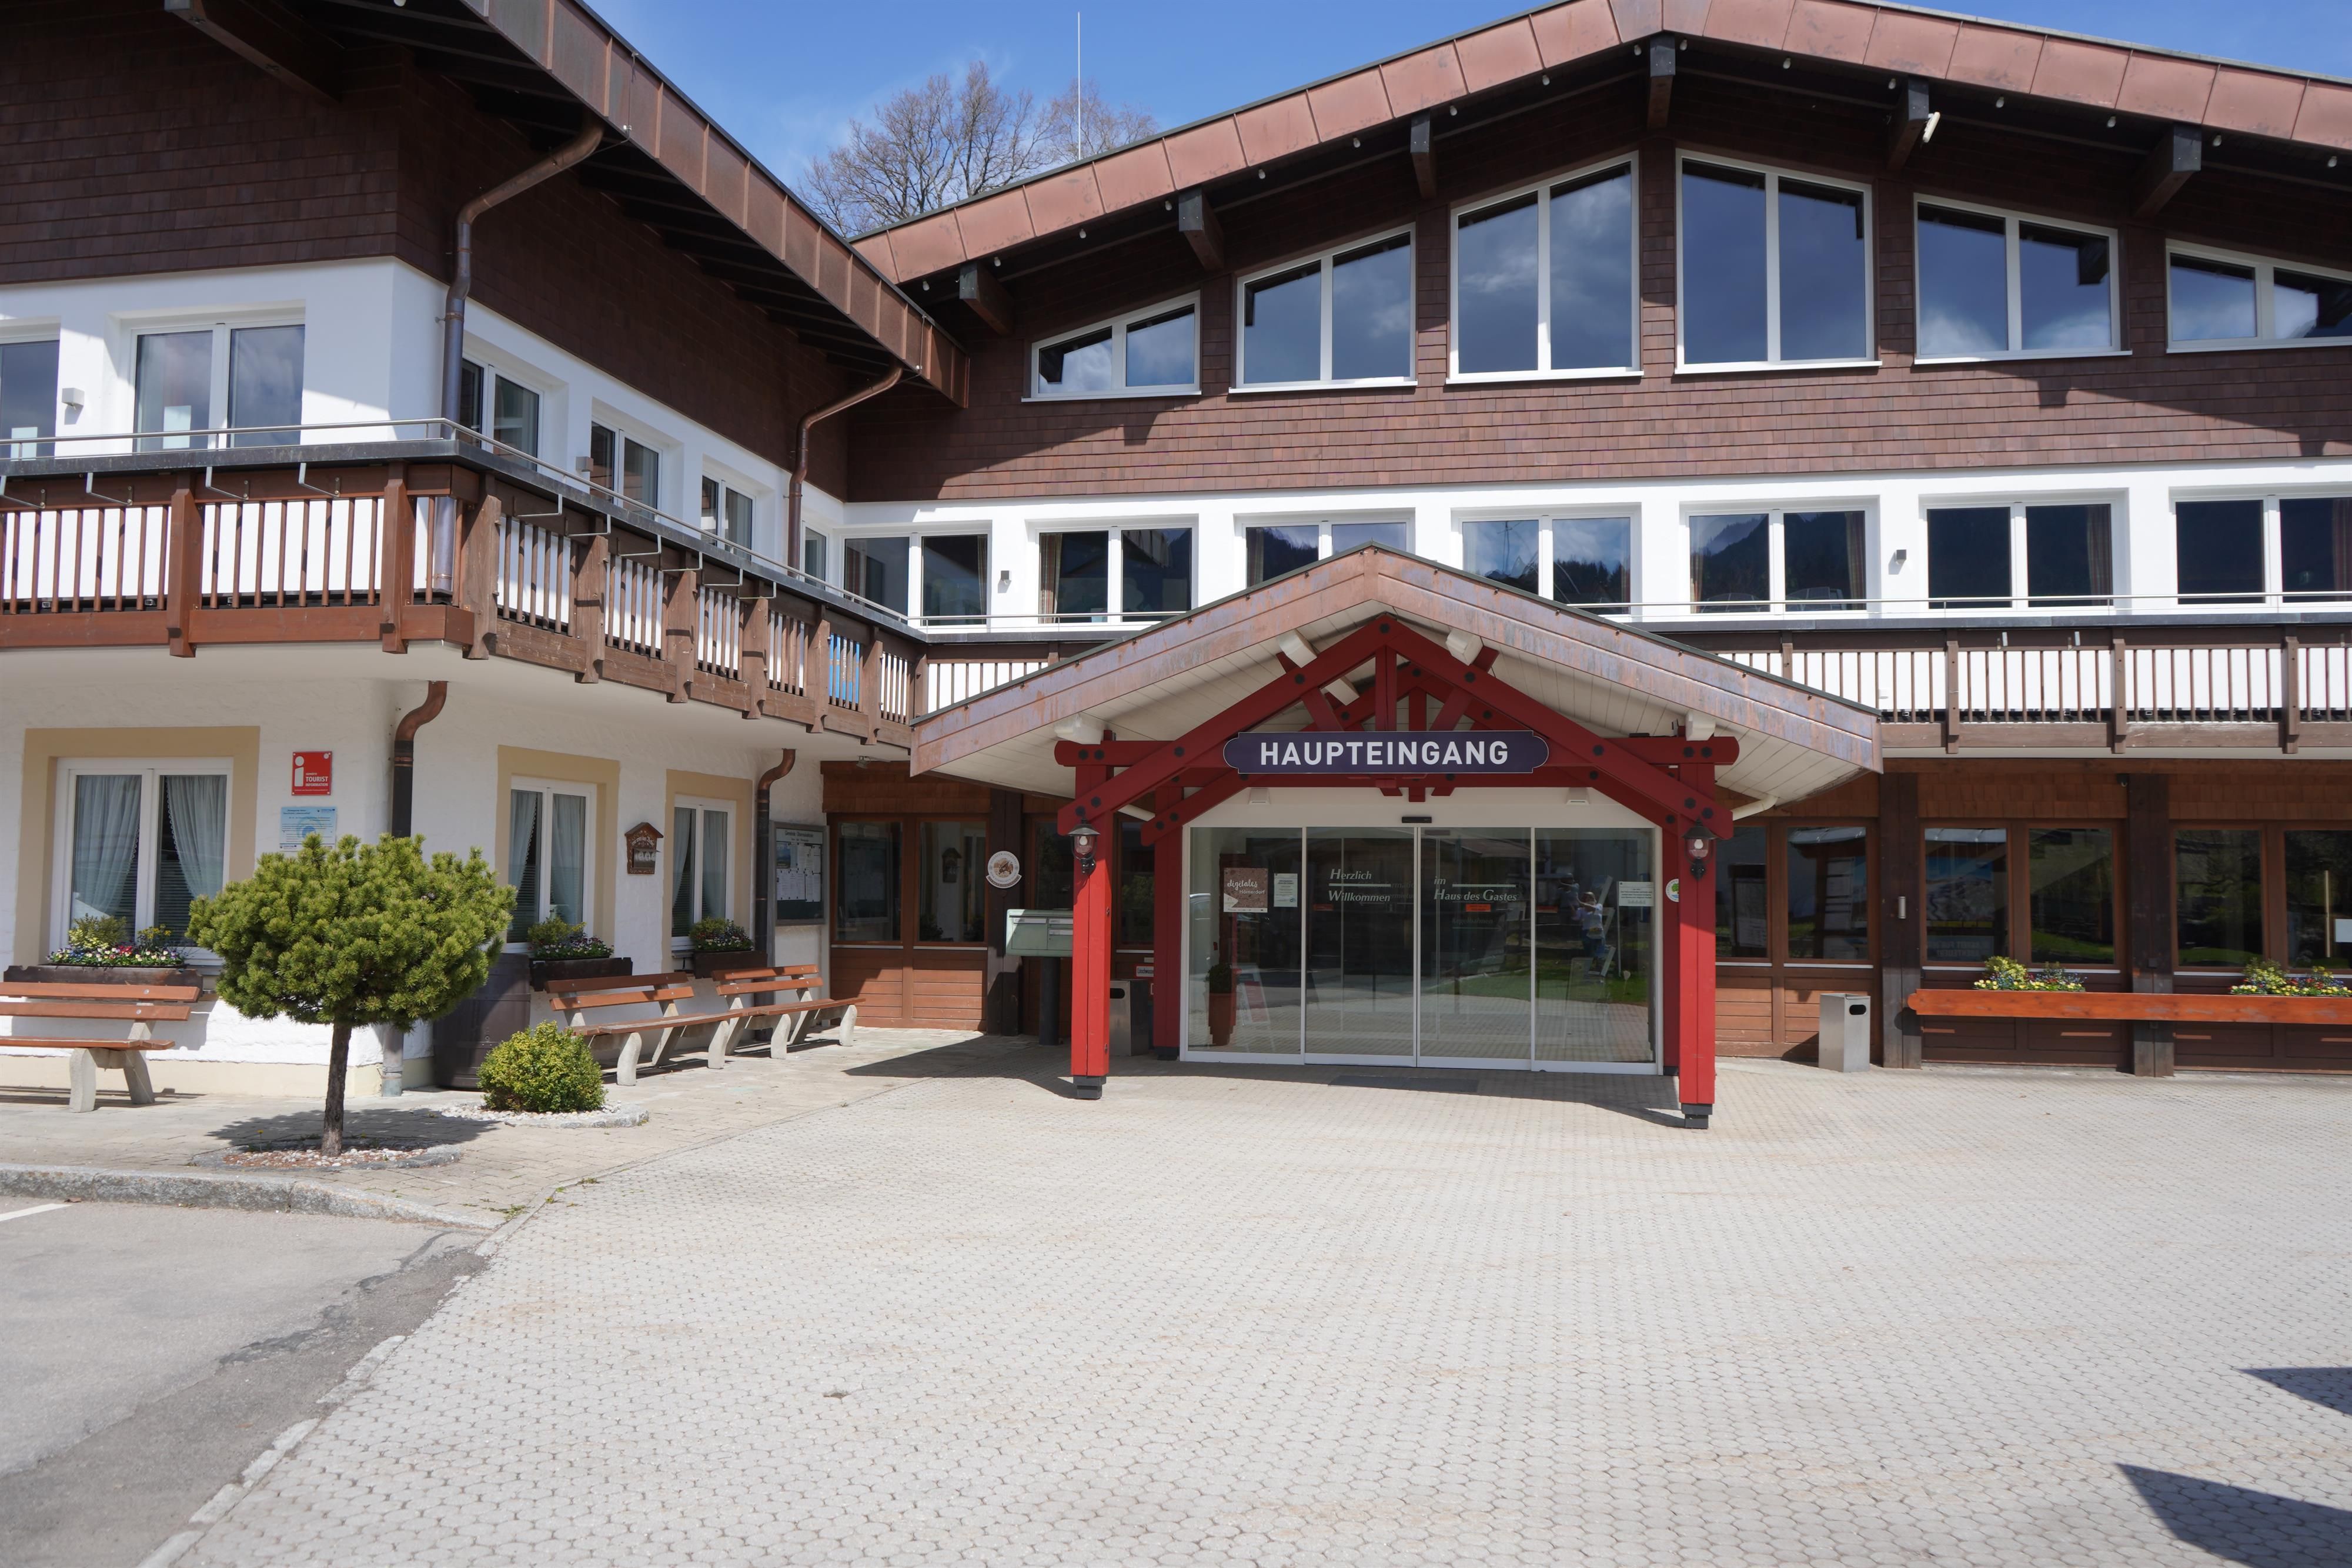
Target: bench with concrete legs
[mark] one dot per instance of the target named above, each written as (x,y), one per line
(794,1019)
(141,1005)
(644,1040)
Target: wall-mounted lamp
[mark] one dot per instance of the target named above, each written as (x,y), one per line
(1260,795)
(1580,796)
(1698,843)
(1895,564)
(1082,840)
(71,397)
(1004,580)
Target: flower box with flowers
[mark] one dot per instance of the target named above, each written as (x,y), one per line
(562,950)
(100,950)
(721,946)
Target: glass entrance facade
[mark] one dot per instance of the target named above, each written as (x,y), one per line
(1423,945)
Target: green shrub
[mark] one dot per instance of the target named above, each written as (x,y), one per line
(544,1068)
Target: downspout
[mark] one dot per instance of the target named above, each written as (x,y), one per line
(404,813)
(792,558)
(763,861)
(461,272)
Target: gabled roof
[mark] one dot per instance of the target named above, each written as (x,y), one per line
(1613,679)
(2059,68)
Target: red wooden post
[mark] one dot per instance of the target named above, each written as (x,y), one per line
(1693,988)
(1090,939)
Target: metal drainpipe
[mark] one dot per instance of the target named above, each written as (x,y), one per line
(763,860)
(461,272)
(403,812)
(801,461)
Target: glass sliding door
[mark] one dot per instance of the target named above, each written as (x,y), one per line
(1360,942)
(1476,964)
(1243,988)
(1596,950)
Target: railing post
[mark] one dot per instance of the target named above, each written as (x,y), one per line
(478,573)
(758,633)
(869,685)
(2290,695)
(184,567)
(2118,698)
(589,584)
(395,583)
(681,629)
(1951,715)
(918,675)
(816,667)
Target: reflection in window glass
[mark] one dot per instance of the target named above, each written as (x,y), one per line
(1829,894)
(1282,327)
(2219,550)
(2217,888)
(1159,350)
(2315,545)
(1346,536)
(1967,895)
(1083,363)
(1595,945)
(1502,552)
(265,388)
(514,417)
(813,554)
(1359,940)
(1822,555)
(2062,275)
(1496,287)
(1281,548)
(1723,266)
(1074,575)
(1591,561)
(1156,571)
(1134,909)
(866,890)
(950,883)
(1243,983)
(1963,283)
(1743,918)
(2068,555)
(28,397)
(2211,300)
(1968,557)
(640,473)
(2319,898)
(2303,306)
(1371,310)
(1824,278)
(105,851)
(1592,273)
(1731,562)
(1477,969)
(875,569)
(2072,874)
(176,387)
(955,577)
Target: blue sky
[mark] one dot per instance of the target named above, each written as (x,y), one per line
(784,78)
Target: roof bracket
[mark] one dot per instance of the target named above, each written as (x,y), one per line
(985,298)
(1912,119)
(2177,154)
(1424,157)
(1662,79)
(1197,222)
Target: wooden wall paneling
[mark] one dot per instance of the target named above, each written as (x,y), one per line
(1901,882)
(1001,981)
(2148,934)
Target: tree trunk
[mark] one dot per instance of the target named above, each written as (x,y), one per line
(339,1056)
(393,1041)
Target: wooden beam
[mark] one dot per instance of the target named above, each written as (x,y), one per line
(1910,127)
(184,566)
(272,38)
(2177,154)
(396,571)
(681,629)
(1424,157)
(1197,222)
(591,579)
(985,298)
(1662,80)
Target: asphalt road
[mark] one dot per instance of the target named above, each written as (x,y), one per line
(151,1353)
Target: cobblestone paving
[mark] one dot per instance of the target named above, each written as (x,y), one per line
(1250,1316)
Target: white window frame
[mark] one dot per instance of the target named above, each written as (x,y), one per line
(1772,360)
(698,805)
(2011,219)
(1115,613)
(664,454)
(2265,308)
(494,372)
(729,485)
(36,330)
(989,565)
(220,324)
(1777,605)
(150,806)
(1545,517)
(545,789)
(1540,190)
(2274,591)
(843,540)
(2021,584)
(1322,259)
(1321,522)
(1039,393)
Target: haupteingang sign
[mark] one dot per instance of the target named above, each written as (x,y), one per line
(1293,751)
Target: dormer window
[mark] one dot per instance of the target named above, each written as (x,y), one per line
(1153,352)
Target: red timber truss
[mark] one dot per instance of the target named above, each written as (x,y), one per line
(1417,687)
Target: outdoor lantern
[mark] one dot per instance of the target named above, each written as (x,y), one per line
(1082,840)
(1697,843)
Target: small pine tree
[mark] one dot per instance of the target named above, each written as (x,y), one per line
(354,934)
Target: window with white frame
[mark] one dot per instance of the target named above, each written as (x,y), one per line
(28,396)
(1586,561)
(2245,549)
(1994,285)
(1543,279)
(813,554)
(874,567)
(624,464)
(139,841)
(955,578)
(2218,300)
(245,378)
(700,865)
(1774,269)
(1144,571)
(1755,562)
(1996,555)
(1155,350)
(1344,317)
(512,408)
(725,511)
(1273,548)
(550,853)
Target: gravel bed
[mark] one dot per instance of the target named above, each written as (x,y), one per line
(355,1156)
(610,1116)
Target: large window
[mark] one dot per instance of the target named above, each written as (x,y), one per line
(952,884)
(2071,881)
(701,867)
(875,569)
(865,882)
(1758,561)
(2217,892)
(139,841)
(1583,562)
(624,464)
(1543,280)
(1967,895)
(513,407)
(1829,894)
(2221,301)
(1987,557)
(2319,897)
(1153,351)
(1992,285)
(1082,573)
(548,848)
(1274,549)
(1345,317)
(28,397)
(2218,551)
(1743,894)
(725,511)
(955,577)
(1774,269)
(2224,548)
(252,375)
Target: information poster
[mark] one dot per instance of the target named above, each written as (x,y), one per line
(296,824)
(800,874)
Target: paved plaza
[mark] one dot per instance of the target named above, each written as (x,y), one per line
(1257,1316)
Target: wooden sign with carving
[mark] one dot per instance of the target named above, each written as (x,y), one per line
(643,841)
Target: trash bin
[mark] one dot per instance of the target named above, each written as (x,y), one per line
(1846,1031)
(1122,1021)
(1138,1013)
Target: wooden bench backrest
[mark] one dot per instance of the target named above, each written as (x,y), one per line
(787,981)
(618,982)
(66,1008)
(567,1001)
(88,992)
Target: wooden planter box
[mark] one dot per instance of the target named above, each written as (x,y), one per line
(544,970)
(2132,1006)
(707,965)
(93,975)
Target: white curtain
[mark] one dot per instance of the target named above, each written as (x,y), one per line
(681,870)
(714,865)
(198,804)
(522,860)
(106,846)
(567,850)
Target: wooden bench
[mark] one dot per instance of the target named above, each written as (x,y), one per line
(142,1004)
(574,1000)
(794,1019)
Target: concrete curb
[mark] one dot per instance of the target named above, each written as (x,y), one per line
(282,1195)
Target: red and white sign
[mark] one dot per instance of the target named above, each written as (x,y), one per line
(314,773)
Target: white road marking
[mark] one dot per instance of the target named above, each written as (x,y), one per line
(37,1208)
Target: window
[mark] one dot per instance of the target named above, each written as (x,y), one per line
(1743,920)
(2058,556)
(2319,897)
(1773,269)
(547,851)
(1154,350)
(726,512)
(140,841)
(1583,562)
(2315,546)
(954,885)
(813,554)
(175,388)
(1137,915)
(2219,300)
(1276,547)
(1346,536)
(1543,280)
(2223,548)
(955,577)
(875,569)
(1346,317)
(28,397)
(2071,885)
(514,408)
(700,868)
(256,372)
(1506,552)
(637,466)
(1993,284)
(2217,892)
(1144,571)
(866,890)
(1074,575)
(2219,550)
(1829,894)
(1965,895)
(1155,570)
(1758,561)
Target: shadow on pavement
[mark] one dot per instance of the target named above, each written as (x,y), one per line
(2327,1385)
(361,1124)
(2259,1528)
